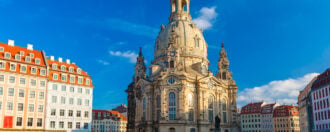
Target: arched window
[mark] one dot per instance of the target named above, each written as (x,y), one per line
(158,104)
(210,107)
(224,75)
(171,64)
(224,110)
(190,100)
(158,101)
(144,108)
(171,104)
(172,130)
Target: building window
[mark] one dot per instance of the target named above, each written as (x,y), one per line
(2,65)
(31,55)
(62,112)
(2,49)
(21,93)
(7,55)
(80,80)
(190,100)
(39,122)
(69,125)
(32,94)
(31,107)
(42,83)
(88,82)
(22,81)
(158,101)
(79,102)
(23,69)
(55,76)
(61,124)
(172,106)
(77,125)
(78,113)
(86,114)
(62,100)
(85,125)
(79,90)
(54,99)
(54,66)
(72,89)
(33,82)
(18,57)
(30,122)
(12,79)
(191,115)
(20,107)
(87,91)
(79,71)
(55,87)
(210,108)
(40,108)
(53,112)
(12,67)
(71,101)
(86,102)
(41,95)
(37,61)
(70,69)
(70,113)
(224,117)
(52,124)
(63,77)
(33,70)
(1,90)
(11,92)
(144,103)
(43,72)
(63,68)
(72,79)
(10,106)
(63,88)
(19,121)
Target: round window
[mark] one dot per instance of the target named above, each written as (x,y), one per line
(171,80)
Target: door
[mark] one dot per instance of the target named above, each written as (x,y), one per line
(8,122)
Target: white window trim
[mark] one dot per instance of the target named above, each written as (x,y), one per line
(4,64)
(26,59)
(66,77)
(74,79)
(22,53)
(54,76)
(43,70)
(9,80)
(19,81)
(2,49)
(20,68)
(54,66)
(10,66)
(62,66)
(34,68)
(6,54)
(35,60)
(82,81)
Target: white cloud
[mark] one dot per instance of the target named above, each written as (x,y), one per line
(103,62)
(206,18)
(130,55)
(281,91)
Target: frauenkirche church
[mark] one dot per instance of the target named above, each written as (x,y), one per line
(180,94)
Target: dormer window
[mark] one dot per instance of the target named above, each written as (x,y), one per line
(54,67)
(37,61)
(88,82)
(80,80)
(55,76)
(12,67)
(70,69)
(21,53)
(7,55)
(63,77)
(63,68)
(23,68)
(27,59)
(33,70)
(2,49)
(2,65)
(18,57)
(43,72)
(79,71)
(31,55)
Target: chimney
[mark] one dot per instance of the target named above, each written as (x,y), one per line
(60,59)
(11,42)
(68,61)
(29,46)
(52,58)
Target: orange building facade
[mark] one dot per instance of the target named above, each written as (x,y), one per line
(286,119)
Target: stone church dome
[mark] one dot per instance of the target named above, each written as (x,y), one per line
(187,37)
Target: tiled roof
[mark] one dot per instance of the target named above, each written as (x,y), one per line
(252,108)
(114,115)
(267,109)
(285,110)
(322,80)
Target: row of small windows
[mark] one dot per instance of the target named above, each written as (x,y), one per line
(22,68)
(72,78)
(71,89)
(18,57)
(69,125)
(19,122)
(63,68)
(70,113)
(22,81)
(71,101)
(20,107)
(318,94)
(21,93)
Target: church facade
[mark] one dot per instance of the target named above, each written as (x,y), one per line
(180,93)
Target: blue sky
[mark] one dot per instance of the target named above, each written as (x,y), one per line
(273,45)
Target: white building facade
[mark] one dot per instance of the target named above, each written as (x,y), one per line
(69,97)
(267,117)
(108,121)
(320,97)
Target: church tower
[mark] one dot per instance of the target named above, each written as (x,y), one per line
(180,93)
